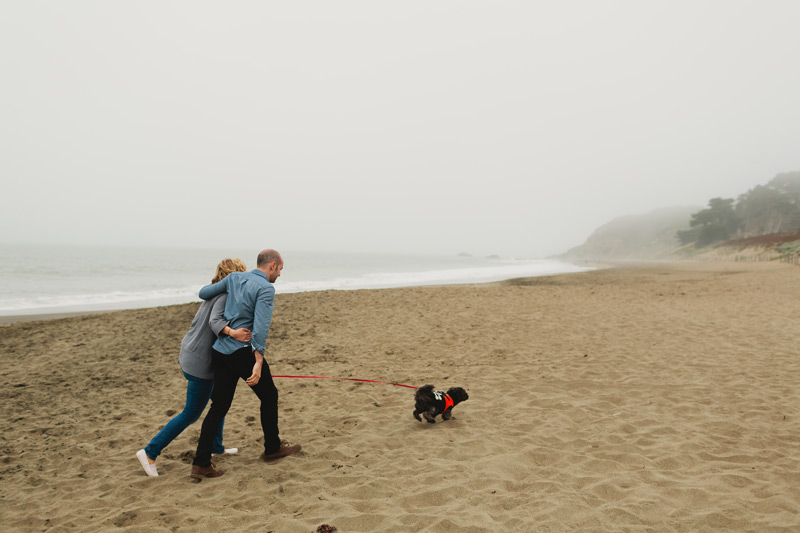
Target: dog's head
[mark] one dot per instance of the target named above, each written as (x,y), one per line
(458,394)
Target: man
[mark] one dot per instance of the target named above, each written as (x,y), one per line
(250,302)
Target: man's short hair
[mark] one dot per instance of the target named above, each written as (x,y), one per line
(268,256)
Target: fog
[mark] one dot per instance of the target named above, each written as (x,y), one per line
(512,128)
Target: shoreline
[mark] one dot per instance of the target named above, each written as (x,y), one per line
(54,315)
(593,265)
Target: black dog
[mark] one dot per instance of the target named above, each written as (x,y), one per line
(430,403)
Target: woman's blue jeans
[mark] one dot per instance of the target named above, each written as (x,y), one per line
(198,391)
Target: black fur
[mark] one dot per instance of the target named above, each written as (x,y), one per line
(426,404)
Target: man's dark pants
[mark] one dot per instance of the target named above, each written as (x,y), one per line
(228,369)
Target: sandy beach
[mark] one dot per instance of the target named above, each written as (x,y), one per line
(661,397)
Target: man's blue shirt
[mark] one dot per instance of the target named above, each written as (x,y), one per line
(250,301)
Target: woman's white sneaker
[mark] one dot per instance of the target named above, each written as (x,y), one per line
(228,451)
(149,469)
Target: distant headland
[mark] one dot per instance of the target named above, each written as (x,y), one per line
(763,224)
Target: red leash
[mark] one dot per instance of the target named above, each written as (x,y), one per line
(350,379)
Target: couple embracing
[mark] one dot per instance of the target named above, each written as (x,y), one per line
(226,342)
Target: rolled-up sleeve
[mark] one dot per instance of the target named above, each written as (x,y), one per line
(216,319)
(263,317)
(209,291)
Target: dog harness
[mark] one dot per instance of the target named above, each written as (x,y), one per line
(442,398)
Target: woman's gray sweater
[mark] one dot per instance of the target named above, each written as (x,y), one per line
(209,321)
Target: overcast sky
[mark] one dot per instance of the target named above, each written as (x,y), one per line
(513,128)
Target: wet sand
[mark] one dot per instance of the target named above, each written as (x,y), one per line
(650,398)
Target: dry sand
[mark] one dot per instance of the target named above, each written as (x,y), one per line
(655,398)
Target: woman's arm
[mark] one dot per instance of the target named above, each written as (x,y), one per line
(220,326)
(209,291)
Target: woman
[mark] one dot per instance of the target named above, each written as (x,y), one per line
(195,362)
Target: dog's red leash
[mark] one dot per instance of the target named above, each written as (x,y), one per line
(349,379)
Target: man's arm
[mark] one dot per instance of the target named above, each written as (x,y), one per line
(209,291)
(256,375)
(262,316)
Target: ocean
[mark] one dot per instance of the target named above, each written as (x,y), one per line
(62,279)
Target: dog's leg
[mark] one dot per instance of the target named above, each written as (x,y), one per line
(429,416)
(416,414)
(447,413)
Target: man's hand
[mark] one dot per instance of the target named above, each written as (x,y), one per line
(254,379)
(241,334)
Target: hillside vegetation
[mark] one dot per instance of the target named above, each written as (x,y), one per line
(763,223)
(768,209)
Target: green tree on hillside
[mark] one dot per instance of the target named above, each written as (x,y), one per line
(764,209)
(789,184)
(718,222)
(771,208)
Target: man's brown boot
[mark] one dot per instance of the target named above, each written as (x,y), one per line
(203,472)
(283,452)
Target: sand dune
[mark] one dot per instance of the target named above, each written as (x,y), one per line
(654,398)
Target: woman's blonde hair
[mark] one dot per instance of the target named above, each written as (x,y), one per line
(226,266)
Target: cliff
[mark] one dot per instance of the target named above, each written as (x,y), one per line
(645,236)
